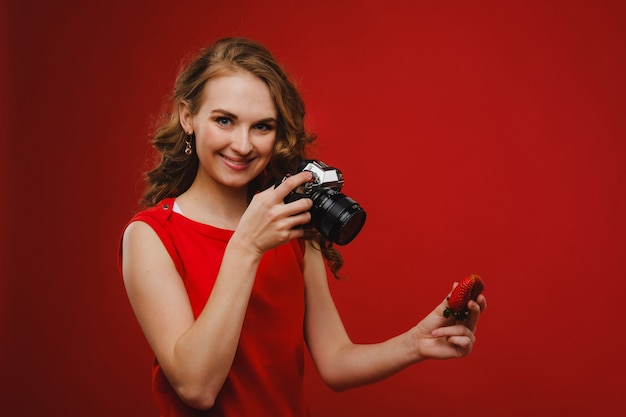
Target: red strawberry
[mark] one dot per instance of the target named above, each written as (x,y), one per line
(468,289)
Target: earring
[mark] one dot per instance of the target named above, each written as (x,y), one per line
(188,143)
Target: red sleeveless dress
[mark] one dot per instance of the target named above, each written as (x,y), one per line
(266,378)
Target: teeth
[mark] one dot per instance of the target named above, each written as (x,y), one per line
(236,161)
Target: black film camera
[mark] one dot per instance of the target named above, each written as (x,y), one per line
(336,216)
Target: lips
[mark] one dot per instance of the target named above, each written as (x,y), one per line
(237,163)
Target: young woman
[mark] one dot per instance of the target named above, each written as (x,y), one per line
(225,281)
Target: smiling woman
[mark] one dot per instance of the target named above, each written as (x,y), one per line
(250,69)
(219,260)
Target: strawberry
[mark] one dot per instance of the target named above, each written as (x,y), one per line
(468,289)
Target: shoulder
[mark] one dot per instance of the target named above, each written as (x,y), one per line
(139,238)
(145,236)
(150,222)
(137,231)
(144,256)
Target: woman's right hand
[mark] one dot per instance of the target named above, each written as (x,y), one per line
(268,222)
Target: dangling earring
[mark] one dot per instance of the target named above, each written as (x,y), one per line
(188,143)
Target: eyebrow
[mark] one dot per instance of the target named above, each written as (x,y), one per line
(225,113)
(233,116)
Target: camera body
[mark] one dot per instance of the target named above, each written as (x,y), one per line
(324,177)
(336,216)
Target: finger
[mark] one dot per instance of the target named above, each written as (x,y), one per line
(444,303)
(455,330)
(465,343)
(298,206)
(474,314)
(482,302)
(454,285)
(291,182)
(298,219)
(296,233)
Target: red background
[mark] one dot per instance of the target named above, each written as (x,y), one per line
(481,137)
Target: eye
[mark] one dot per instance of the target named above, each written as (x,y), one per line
(223,121)
(264,127)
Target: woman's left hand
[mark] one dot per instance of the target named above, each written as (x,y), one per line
(438,337)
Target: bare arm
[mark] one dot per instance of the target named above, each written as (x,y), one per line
(343,364)
(197,355)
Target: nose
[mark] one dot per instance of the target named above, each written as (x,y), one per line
(241,142)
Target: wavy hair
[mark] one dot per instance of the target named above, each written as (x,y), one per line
(176,171)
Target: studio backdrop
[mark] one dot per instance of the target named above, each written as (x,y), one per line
(481,137)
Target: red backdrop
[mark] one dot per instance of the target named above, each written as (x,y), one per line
(481,137)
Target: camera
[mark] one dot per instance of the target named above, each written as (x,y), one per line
(336,216)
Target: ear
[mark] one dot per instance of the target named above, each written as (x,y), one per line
(185,117)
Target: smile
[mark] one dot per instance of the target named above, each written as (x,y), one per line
(237,163)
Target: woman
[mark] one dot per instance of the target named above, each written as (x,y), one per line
(225,281)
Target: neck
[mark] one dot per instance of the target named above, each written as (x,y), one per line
(217,206)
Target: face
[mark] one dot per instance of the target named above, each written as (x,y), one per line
(235,129)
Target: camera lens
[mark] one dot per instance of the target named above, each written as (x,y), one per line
(337,216)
